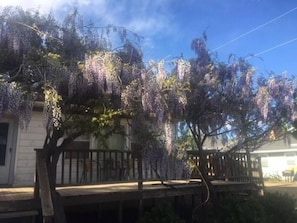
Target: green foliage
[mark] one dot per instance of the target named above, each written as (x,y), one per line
(163,213)
(270,208)
(279,208)
(241,210)
(185,139)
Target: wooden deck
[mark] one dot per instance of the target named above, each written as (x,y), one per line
(87,179)
(22,199)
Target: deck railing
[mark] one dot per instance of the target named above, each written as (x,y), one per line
(100,166)
(94,166)
(238,166)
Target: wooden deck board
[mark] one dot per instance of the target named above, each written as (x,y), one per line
(21,199)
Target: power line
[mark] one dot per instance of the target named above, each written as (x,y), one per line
(274,47)
(254,29)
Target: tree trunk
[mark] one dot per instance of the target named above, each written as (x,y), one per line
(52,153)
(170,136)
(209,207)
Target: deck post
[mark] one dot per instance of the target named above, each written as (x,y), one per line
(36,181)
(249,161)
(120,211)
(176,203)
(193,201)
(140,182)
(45,192)
(260,182)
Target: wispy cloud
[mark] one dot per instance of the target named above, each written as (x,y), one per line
(44,6)
(142,16)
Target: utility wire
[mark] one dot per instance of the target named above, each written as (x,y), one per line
(277,46)
(254,29)
(273,48)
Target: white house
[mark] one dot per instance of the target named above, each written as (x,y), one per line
(17,155)
(277,157)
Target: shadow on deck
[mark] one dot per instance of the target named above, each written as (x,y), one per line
(16,202)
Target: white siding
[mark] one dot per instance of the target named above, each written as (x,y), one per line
(275,165)
(29,139)
(278,156)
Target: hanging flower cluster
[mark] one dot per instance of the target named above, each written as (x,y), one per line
(275,96)
(99,70)
(15,101)
(52,110)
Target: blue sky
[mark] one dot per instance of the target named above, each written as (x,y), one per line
(169,26)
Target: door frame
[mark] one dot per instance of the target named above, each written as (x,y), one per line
(12,141)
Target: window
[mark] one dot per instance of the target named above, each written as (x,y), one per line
(116,141)
(264,162)
(291,162)
(81,143)
(290,157)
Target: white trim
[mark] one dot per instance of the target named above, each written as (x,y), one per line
(274,151)
(12,144)
(17,153)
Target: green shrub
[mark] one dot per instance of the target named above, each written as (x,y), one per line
(279,208)
(162,213)
(270,208)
